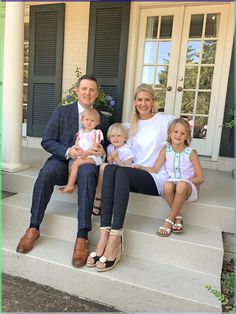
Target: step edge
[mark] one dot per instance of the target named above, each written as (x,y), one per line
(40,259)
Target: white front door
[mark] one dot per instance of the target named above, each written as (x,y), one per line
(180,53)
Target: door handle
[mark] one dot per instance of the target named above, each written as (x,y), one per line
(169,88)
(179,89)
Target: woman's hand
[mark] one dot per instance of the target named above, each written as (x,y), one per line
(137,166)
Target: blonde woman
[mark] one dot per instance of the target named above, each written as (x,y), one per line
(148,134)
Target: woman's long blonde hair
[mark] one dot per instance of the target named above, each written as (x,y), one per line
(135,115)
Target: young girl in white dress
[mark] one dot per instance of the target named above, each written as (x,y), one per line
(118,153)
(184,171)
(86,138)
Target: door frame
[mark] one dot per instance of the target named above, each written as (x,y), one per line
(135,12)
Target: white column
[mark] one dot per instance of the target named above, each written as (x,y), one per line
(13,55)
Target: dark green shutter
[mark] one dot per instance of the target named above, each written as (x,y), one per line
(227,137)
(45,64)
(107,49)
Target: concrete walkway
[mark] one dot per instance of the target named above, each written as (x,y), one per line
(21,295)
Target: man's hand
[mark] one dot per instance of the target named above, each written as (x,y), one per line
(84,154)
(74,152)
(97,150)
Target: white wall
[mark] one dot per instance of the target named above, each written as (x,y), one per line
(75,40)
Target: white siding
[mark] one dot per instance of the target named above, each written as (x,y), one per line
(75,40)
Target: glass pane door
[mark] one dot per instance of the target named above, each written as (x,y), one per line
(199,70)
(157,49)
(158,53)
(180,52)
(198,88)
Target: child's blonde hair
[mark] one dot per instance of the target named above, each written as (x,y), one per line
(187,130)
(117,129)
(92,112)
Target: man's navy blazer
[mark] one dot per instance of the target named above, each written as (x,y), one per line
(62,127)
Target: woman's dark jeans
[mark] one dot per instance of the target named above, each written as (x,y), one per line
(117,184)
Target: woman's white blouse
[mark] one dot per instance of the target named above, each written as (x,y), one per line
(147,143)
(151,136)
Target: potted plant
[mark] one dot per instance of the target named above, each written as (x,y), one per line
(104,103)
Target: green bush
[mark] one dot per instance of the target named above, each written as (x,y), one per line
(230,124)
(227,283)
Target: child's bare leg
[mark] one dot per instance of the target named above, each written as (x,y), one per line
(97,201)
(175,195)
(69,188)
(183,191)
(169,192)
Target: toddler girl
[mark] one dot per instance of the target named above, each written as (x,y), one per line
(86,138)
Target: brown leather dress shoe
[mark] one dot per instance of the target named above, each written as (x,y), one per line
(27,241)
(80,253)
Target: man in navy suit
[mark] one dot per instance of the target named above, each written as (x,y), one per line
(58,140)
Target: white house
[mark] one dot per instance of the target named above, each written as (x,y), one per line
(185,51)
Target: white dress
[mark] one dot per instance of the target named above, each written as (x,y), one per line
(86,140)
(180,168)
(147,143)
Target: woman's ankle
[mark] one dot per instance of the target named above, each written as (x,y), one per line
(113,246)
(102,242)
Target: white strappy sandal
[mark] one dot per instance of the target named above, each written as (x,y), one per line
(166,229)
(178,228)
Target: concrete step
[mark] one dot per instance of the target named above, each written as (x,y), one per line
(134,285)
(194,249)
(214,209)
